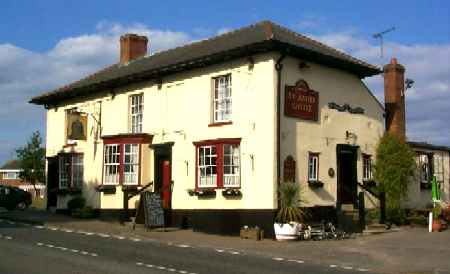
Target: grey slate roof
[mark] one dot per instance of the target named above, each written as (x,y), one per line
(425,145)
(261,37)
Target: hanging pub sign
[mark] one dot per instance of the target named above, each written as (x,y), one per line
(301,102)
(76,126)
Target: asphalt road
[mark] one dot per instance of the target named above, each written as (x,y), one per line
(37,249)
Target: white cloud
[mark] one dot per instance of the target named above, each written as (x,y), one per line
(26,73)
(427,64)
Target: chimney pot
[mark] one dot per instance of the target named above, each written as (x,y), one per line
(132,46)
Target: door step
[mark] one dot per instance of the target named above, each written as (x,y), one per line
(374,229)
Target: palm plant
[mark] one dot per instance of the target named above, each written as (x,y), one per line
(290,211)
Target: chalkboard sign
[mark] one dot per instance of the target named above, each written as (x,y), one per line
(151,205)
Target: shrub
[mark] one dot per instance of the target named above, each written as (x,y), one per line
(290,211)
(86,212)
(393,168)
(76,203)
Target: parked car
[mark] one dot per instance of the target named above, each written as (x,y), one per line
(13,197)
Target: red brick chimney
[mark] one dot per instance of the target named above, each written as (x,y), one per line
(394,98)
(132,46)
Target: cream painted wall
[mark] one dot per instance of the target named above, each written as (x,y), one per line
(180,112)
(421,198)
(299,137)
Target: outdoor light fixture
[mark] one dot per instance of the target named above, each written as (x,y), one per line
(303,65)
(409,83)
(251,63)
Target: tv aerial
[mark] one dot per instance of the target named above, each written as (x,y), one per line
(379,35)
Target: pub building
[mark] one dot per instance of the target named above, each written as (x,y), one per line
(215,126)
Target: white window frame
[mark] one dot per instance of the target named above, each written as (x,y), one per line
(367,167)
(207,166)
(313,167)
(111,164)
(136,110)
(71,170)
(222,99)
(231,165)
(131,151)
(11,175)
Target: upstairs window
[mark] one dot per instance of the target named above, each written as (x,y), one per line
(136,113)
(313,167)
(222,99)
(367,167)
(10,175)
(218,164)
(70,171)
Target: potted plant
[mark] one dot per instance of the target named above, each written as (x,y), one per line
(436,225)
(290,215)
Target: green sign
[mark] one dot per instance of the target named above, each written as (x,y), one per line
(435,192)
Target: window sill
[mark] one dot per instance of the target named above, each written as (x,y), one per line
(68,191)
(231,193)
(206,193)
(219,124)
(106,189)
(315,184)
(369,183)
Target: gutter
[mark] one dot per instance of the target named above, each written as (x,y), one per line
(279,68)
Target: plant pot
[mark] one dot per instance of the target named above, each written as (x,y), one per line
(286,232)
(436,226)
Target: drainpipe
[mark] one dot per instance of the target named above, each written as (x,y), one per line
(279,68)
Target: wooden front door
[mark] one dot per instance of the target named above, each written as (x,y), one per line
(346,174)
(166,192)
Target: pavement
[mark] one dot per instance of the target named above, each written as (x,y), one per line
(411,250)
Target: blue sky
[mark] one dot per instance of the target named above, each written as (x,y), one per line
(44,44)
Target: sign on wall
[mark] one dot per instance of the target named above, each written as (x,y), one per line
(76,126)
(301,102)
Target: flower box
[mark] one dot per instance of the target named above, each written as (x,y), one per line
(315,184)
(231,192)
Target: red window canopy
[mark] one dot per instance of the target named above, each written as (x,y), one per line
(135,138)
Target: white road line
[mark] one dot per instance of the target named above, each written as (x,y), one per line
(161,267)
(84,252)
(171,269)
(220,250)
(347,267)
(183,245)
(50,245)
(39,226)
(182,271)
(75,250)
(8,238)
(53,228)
(333,265)
(149,265)
(67,230)
(103,235)
(119,237)
(278,259)
(139,264)
(363,269)
(135,239)
(40,244)
(235,252)
(88,233)
(296,261)
(94,254)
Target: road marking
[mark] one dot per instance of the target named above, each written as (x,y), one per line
(347,267)
(149,265)
(119,237)
(53,228)
(161,267)
(139,264)
(50,245)
(363,269)
(182,271)
(296,261)
(333,265)
(94,254)
(40,244)
(278,259)
(171,269)
(75,250)
(67,230)
(39,227)
(183,245)
(235,252)
(135,239)
(220,250)
(103,235)
(8,238)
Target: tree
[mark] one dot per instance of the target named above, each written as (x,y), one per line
(393,168)
(31,159)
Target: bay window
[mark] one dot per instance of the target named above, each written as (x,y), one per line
(218,163)
(70,170)
(121,164)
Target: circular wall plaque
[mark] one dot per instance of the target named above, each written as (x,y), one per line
(331,172)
